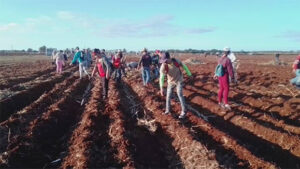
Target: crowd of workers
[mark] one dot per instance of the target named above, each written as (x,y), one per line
(158,64)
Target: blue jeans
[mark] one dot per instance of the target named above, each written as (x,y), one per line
(296,80)
(156,73)
(146,75)
(179,94)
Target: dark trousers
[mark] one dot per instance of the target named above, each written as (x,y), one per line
(104,82)
(118,75)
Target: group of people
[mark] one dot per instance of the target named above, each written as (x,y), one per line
(82,57)
(161,64)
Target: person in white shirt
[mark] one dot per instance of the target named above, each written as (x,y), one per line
(234,62)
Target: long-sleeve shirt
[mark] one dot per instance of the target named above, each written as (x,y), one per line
(296,64)
(173,72)
(145,61)
(88,56)
(232,57)
(77,57)
(59,57)
(227,65)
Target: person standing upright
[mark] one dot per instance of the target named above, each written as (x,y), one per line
(155,64)
(89,59)
(145,62)
(234,62)
(222,73)
(104,69)
(117,63)
(59,60)
(80,58)
(277,61)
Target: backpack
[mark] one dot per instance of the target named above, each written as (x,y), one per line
(175,62)
(82,56)
(219,70)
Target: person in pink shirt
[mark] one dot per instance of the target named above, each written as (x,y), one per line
(59,60)
(224,79)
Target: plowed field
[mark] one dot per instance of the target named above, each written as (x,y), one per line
(43,124)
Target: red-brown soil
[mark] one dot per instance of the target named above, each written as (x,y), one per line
(44,125)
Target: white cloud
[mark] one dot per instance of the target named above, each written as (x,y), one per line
(158,26)
(65,15)
(8,27)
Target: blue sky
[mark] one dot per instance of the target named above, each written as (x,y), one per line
(155,24)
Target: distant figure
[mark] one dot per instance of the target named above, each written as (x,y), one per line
(145,62)
(117,64)
(89,59)
(296,69)
(132,65)
(53,56)
(206,54)
(59,60)
(155,64)
(277,62)
(218,55)
(80,58)
(234,62)
(65,55)
(123,65)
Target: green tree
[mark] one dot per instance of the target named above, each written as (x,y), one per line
(42,49)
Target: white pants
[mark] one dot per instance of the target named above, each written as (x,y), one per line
(83,68)
(235,67)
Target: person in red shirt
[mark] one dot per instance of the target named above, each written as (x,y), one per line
(104,69)
(224,80)
(117,63)
(296,69)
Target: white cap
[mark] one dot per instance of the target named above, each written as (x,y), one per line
(227,49)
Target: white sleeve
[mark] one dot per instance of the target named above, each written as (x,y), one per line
(232,57)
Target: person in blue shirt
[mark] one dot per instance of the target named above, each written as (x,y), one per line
(82,60)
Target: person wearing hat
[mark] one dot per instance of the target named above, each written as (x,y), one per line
(171,68)
(104,69)
(145,62)
(59,60)
(80,58)
(234,62)
(296,69)
(227,68)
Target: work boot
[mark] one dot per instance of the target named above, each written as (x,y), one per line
(166,112)
(182,115)
(221,105)
(226,106)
